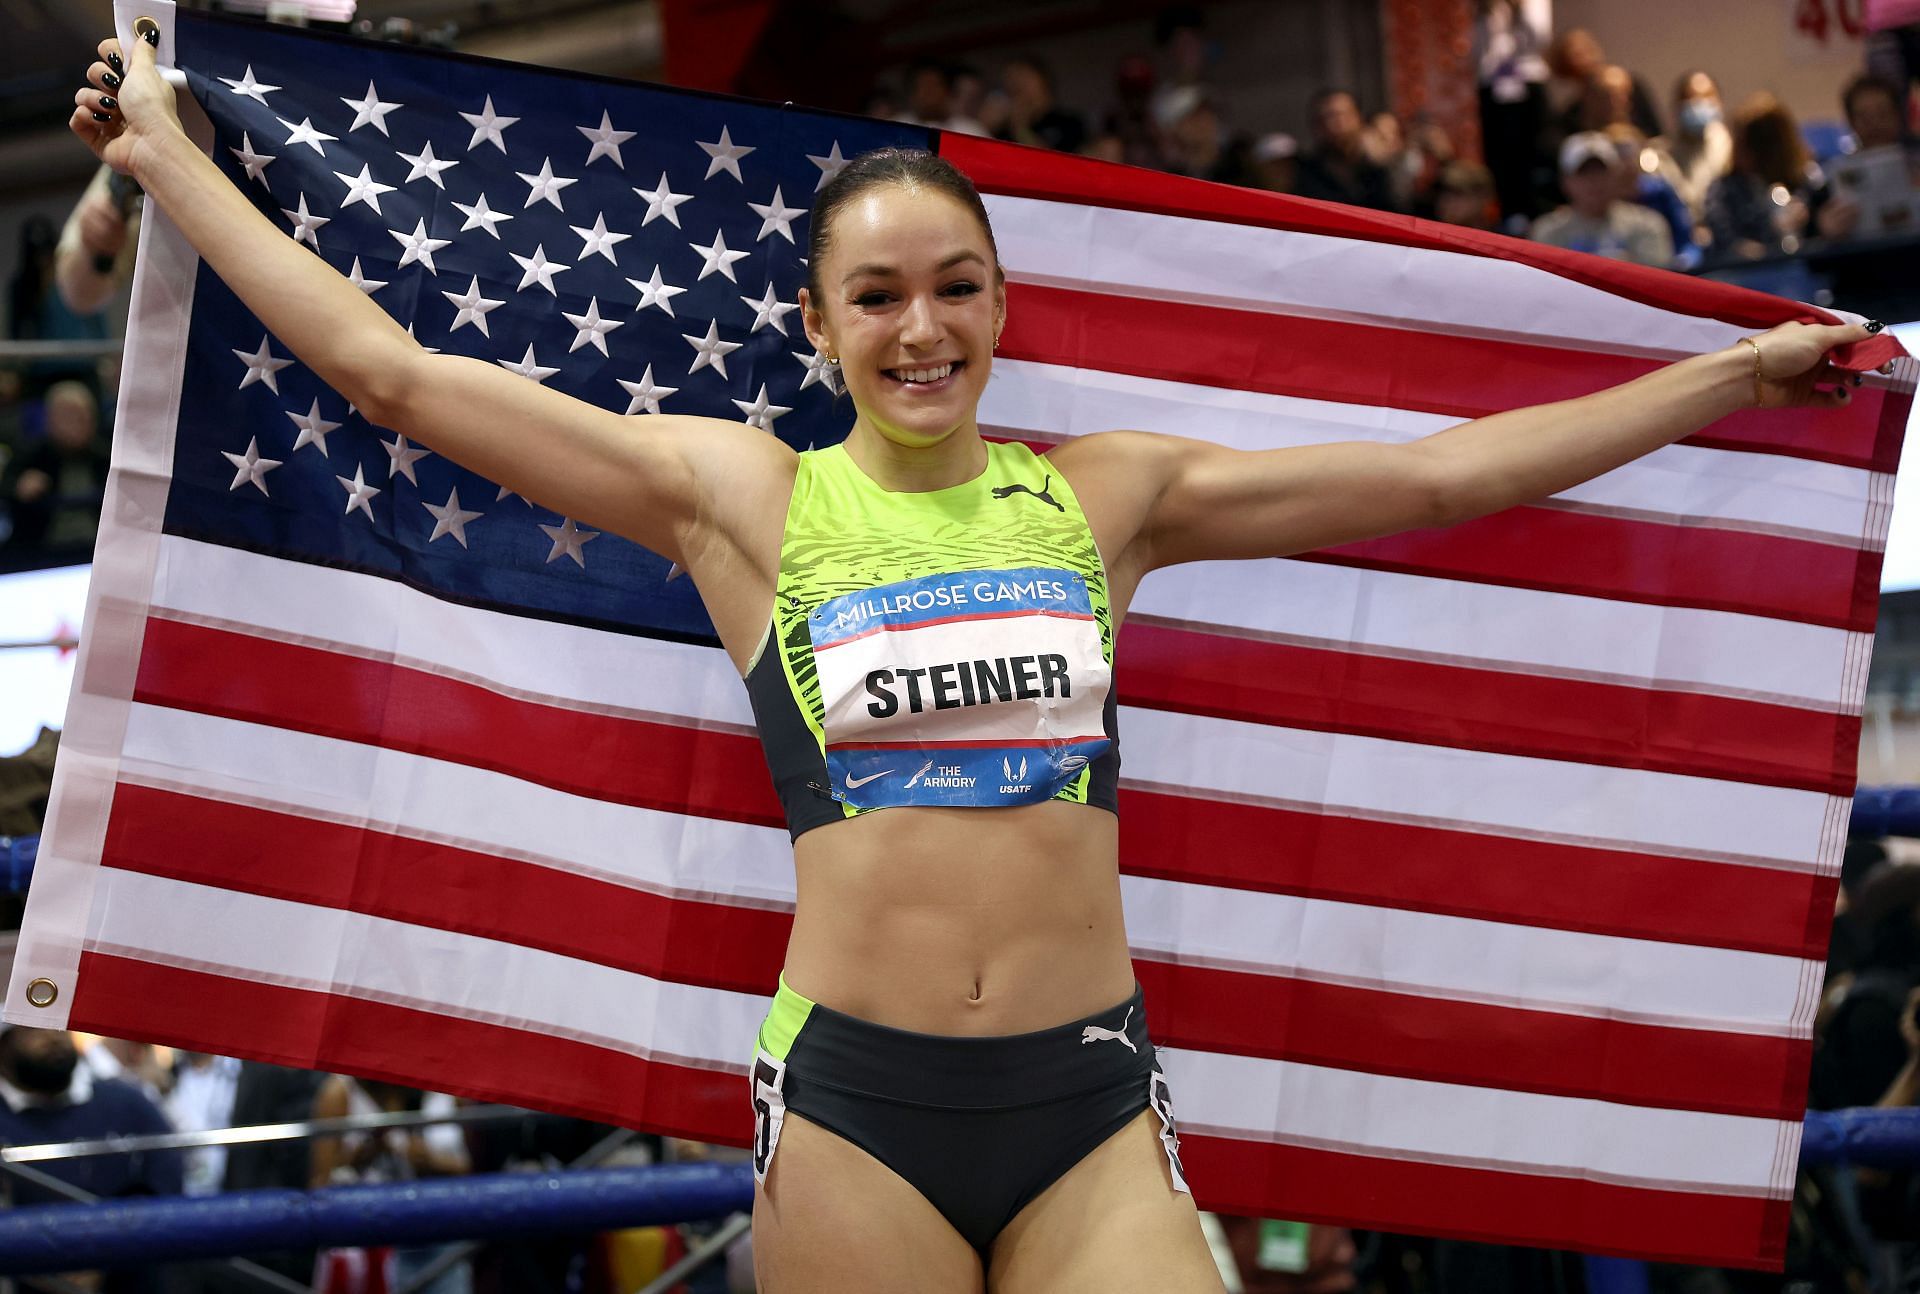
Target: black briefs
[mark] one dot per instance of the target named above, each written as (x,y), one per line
(979,1126)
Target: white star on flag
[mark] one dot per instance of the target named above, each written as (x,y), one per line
(416,246)
(480,216)
(716,258)
(591,328)
(363,188)
(359,493)
(472,308)
(818,370)
(304,133)
(313,429)
(662,201)
(760,411)
(369,111)
(711,352)
(450,518)
(538,269)
(488,125)
(431,350)
(361,281)
(527,367)
(249,87)
(830,165)
(647,394)
(250,468)
(424,164)
(255,163)
(306,224)
(544,187)
(726,155)
(776,217)
(597,241)
(569,539)
(401,457)
(606,140)
(653,292)
(770,309)
(261,367)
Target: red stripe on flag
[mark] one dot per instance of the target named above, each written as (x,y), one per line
(1434,372)
(1376,1031)
(299,860)
(648,763)
(1019,171)
(125,998)
(338,865)
(1171,667)
(1265,1179)
(1214,841)
(1422,867)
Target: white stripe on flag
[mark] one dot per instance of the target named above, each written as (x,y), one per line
(1247,267)
(1465,960)
(1678,484)
(1273,1100)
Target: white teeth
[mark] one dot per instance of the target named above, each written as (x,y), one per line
(922,374)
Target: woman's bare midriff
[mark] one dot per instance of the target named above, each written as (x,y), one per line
(962,921)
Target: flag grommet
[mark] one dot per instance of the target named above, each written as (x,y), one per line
(148,30)
(42,992)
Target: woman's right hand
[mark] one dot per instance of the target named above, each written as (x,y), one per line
(125,105)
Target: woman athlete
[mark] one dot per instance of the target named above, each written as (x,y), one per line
(956,1072)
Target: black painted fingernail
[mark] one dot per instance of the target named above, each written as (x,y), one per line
(153,36)
(113,61)
(101,116)
(1857,379)
(1874,325)
(109,80)
(108,102)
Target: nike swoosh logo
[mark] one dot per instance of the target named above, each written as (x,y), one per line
(855,783)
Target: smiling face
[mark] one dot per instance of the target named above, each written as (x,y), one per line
(910,301)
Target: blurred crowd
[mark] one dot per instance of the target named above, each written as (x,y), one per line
(1579,152)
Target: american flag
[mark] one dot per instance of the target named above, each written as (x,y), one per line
(1479,879)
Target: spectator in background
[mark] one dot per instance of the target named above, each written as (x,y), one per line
(1641,182)
(1464,195)
(930,100)
(1128,132)
(95,256)
(128,1061)
(1576,104)
(39,313)
(1275,159)
(1876,184)
(1512,72)
(1203,148)
(53,488)
(200,1100)
(266,1093)
(969,93)
(46,1095)
(1180,34)
(1032,115)
(1700,149)
(1764,205)
(1338,169)
(1596,219)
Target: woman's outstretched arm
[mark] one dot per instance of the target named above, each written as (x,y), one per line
(1209,501)
(645,479)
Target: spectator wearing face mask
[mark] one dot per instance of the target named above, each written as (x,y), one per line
(1700,149)
(1597,218)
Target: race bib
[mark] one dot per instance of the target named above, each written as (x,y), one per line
(969,688)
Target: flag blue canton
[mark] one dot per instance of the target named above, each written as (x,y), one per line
(637,247)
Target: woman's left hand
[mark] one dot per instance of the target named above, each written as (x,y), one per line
(1794,370)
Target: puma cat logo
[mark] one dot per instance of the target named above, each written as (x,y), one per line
(1008,491)
(1094,1033)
